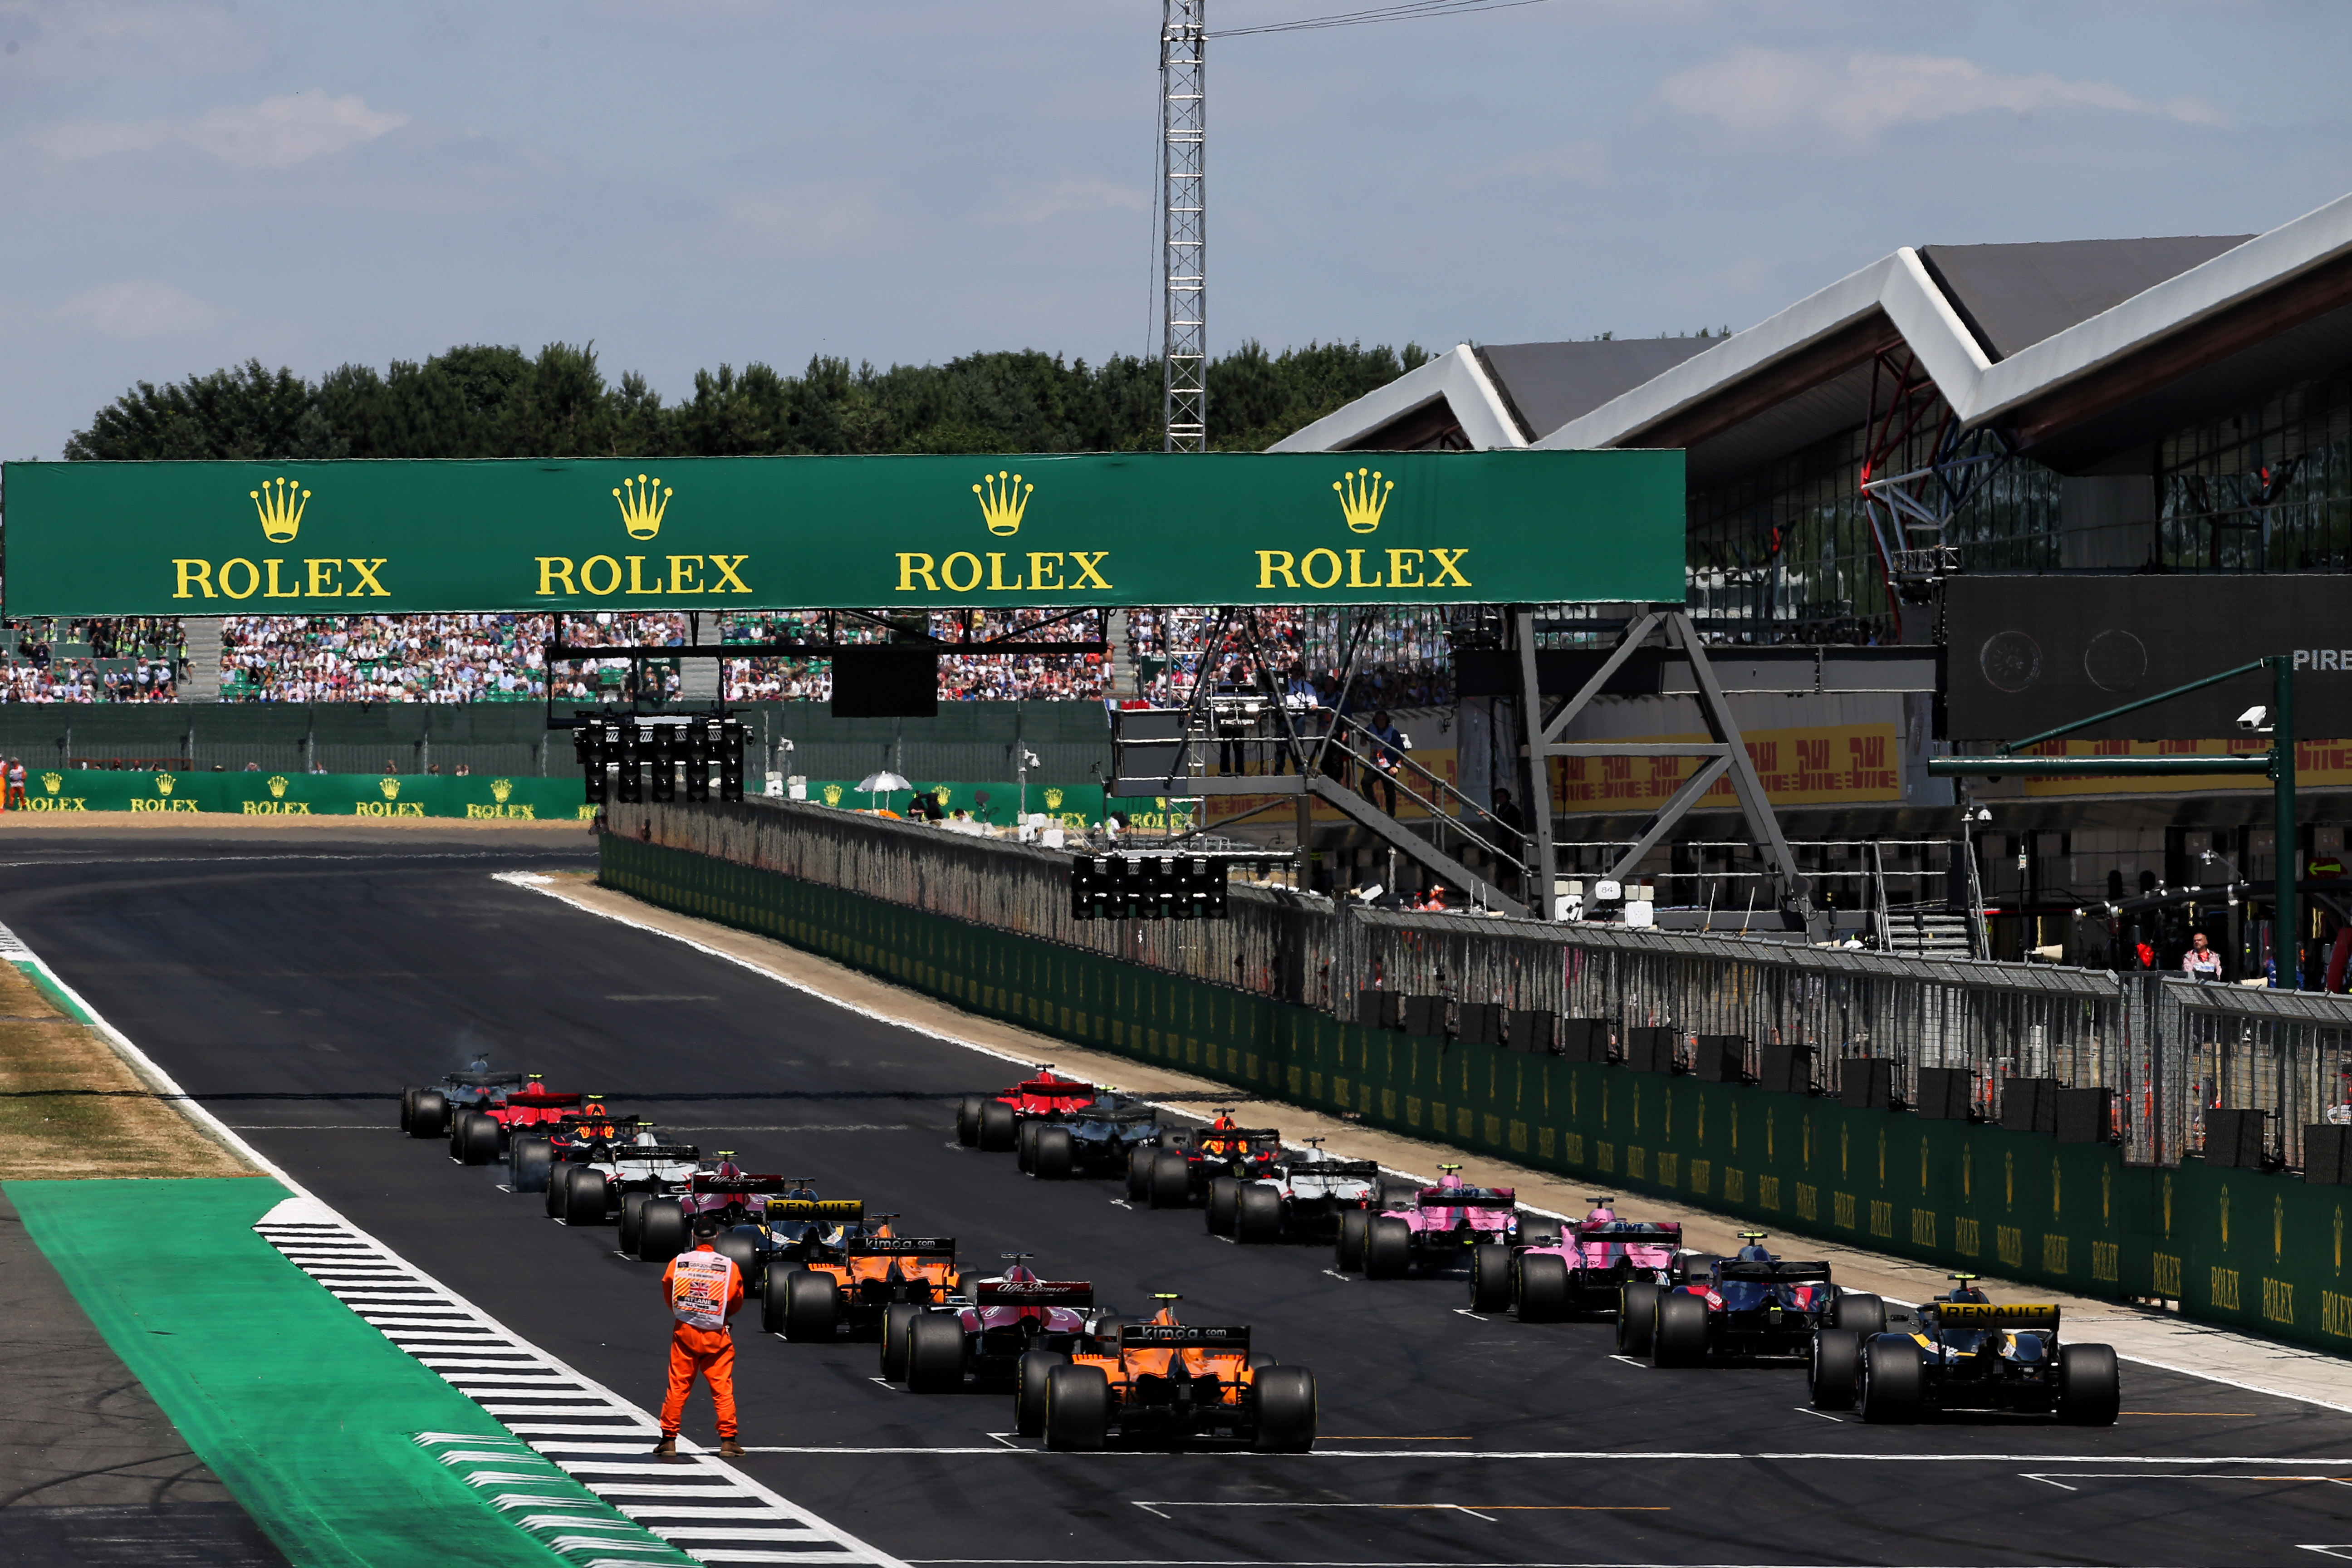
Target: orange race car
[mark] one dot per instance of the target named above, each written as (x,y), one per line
(852,1278)
(1169,1380)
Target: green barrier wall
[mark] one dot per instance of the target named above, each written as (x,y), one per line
(2258,1252)
(478,795)
(1072,806)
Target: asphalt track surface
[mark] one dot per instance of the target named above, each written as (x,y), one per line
(295,990)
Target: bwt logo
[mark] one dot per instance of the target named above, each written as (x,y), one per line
(2336,658)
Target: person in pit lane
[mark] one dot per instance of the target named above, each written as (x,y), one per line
(704,1290)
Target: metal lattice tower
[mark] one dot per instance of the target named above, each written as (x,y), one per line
(1184,226)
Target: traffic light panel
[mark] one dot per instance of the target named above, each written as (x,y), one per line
(731,760)
(665,754)
(588,748)
(699,737)
(632,751)
(1148,887)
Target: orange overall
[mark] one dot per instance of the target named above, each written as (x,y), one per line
(703,1290)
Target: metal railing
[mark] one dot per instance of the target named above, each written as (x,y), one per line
(2167,1048)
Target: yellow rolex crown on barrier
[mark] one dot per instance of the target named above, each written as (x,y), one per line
(280,502)
(1002,499)
(642,509)
(1362,497)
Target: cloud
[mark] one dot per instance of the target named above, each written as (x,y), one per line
(1862,94)
(138,309)
(1585,163)
(276,133)
(82,39)
(1037,204)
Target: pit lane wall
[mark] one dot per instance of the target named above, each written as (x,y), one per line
(2258,1252)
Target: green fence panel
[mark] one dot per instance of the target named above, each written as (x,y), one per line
(477,797)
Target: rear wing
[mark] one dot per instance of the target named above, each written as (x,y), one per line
(1985,1315)
(545,1099)
(898,1246)
(1344,1170)
(1240,1139)
(1033,1293)
(703,1181)
(1181,1337)
(1777,1273)
(1469,1197)
(1053,1088)
(1630,1230)
(655,1153)
(818,1211)
(484,1079)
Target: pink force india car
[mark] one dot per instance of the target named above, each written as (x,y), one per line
(1438,1227)
(1584,1269)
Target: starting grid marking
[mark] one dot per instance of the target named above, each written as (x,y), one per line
(570,1434)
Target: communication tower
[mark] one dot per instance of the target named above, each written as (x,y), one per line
(1185,249)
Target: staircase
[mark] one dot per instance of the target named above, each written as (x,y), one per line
(1921,933)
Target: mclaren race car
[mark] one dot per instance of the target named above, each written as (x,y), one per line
(846,1281)
(1169,1381)
(1962,1351)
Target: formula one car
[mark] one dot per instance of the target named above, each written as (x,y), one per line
(590,1192)
(848,1281)
(566,1137)
(1585,1270)
(1209,1165)
(774,1222)
(1097,1139)
(1306,1195)
(484,1132)
(1960,1352)
(1435,1228)
(1753,1304)
(1012,1325)
(1169,1380)
(994,1122)
(430,1112)
(654,1225)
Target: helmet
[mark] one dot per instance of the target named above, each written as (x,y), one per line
(1754,1251)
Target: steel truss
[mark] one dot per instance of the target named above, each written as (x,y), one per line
(1909,510)
(1184,226)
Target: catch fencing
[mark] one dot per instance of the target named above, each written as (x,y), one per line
(2168,1048)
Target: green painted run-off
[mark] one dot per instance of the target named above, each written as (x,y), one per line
(2258,1252)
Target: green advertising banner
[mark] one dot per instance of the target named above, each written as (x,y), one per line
(477,797)
(747,533)
(1070,806)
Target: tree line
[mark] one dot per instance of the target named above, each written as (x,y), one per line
(486,401)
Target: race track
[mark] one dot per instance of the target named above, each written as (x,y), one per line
(296,989)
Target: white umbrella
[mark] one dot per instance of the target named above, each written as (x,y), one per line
(885,780)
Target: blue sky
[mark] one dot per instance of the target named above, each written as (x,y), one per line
(686,181)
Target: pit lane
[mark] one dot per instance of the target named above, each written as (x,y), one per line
(294,994)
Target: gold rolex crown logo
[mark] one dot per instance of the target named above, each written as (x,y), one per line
(1052,800)
(163,783)
(53,781)
(642,509)
(1362,497)
(500,789)
(277,786)
(391,788)
(279,503)
(832,795)
(1002,499)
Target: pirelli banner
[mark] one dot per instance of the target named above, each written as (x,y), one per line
(748,533)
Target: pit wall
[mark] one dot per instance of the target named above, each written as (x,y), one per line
(2256,1251)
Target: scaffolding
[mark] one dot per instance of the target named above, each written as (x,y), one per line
(1184,226)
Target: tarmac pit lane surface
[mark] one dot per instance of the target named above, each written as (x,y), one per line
(1448,1438)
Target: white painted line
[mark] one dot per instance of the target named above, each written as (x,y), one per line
(1342,1278)
(1629,1361)
(1824,1414)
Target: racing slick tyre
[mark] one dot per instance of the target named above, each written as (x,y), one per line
(1388,1249)
(1894,1376)
(478,1139)
(1029,1390)
(2090,1392)
(585,1200)
(1172,1180)
(1257,1214)
(428,1116)
(1053,1154)
(1866,1315)
(1490,1277)
(1077,1407)
(1107,1329)
(559,1182)
(1542,1294)
(896,1317)
(1286,1410)
(812,1306)
(1025,1146)
(934,1354)
(1224,1199)
(996,1126)
(968,1120)
(1637,1317)
(632,1219)
(407,1108)
(1348,1254)
(528,1159)
(744,1253)
(1834,1374)
(1139,1174)
(661,1230)
(771,1299)
(1680,1338)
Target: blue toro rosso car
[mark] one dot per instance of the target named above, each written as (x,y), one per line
(1964,1352)
(1750,1304)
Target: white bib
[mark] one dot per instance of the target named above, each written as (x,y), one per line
(700,1285)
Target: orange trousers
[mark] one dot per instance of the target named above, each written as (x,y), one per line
(709,1354)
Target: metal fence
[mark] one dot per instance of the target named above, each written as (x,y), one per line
(2169,1047)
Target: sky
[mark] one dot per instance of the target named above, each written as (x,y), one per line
(685,183)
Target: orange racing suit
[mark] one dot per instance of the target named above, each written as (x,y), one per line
(703,1290)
